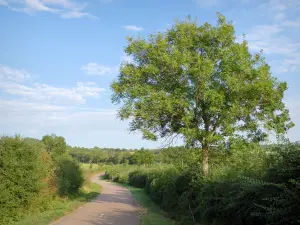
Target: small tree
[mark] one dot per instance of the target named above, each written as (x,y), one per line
(55,145)
(198,82)
(143,157)
(69,175)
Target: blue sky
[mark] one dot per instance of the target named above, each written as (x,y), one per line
(58,58)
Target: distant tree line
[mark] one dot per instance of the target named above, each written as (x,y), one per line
(112,155)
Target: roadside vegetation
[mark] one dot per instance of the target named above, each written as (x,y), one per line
(248,184)
(40,181)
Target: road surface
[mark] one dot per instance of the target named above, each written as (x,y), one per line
(115,206)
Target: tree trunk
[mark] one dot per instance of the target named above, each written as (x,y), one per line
(205,152)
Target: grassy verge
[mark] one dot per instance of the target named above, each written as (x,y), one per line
(153,215)
(61,206)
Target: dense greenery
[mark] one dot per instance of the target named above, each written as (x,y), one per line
(33,173)
(248,184)
(235,192)
(143,157)
(112,156)
(69,176)
(24,175)
(198,82)
(55,145)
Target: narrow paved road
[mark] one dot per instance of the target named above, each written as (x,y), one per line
(115,206)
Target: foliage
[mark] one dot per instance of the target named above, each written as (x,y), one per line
(143,157)
(248,183)
(59,207)
(179,155)
(113,156)
(119,173)
(69,176)
(231,194)
(101,155)
(25,173)
(55,145)
(32,173)
(198,82)
(137,178)
(284,206)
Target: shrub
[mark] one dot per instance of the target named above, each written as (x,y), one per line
(283,206)
(69,176)
(137,178)
(258,186)
(55,145)
(24,174)
(143,157)
(119,173)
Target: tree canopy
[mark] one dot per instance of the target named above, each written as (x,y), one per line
(200,83)
(55,145)
(143,157)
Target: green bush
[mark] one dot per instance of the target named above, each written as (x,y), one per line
(143,157)
(258,185)
(283,206)
(119,173)
(23,176)
(69,176)
(137,178)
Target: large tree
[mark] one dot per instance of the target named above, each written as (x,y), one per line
(200,83)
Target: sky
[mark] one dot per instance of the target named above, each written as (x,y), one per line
(59,57)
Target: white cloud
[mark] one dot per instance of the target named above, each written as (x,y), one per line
(17,106)
(64,3)
(3,3)
(68,9)
(80,126)
(280,16)
(35,109)
(262,32)
(11,74)
(272,39)
(276,5)
(275,38)
(292,23)
(77,15)
(133,27)
(93,68)
(11,84)
(38,5)
(47,93)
